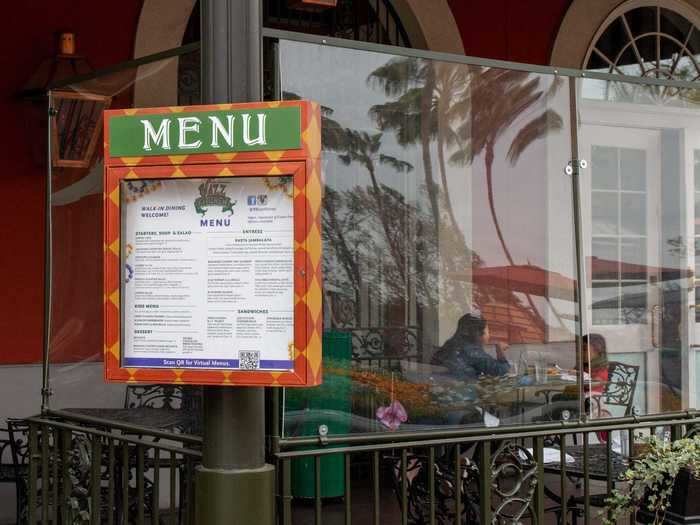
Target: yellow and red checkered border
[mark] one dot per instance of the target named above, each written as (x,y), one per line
(304,165)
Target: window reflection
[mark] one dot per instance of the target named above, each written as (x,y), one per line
(448,253)
(76,339)
(449,244)
(640,269)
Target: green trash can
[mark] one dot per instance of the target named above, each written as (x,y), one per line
(328,404)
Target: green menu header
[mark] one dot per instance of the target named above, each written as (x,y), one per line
(189,133)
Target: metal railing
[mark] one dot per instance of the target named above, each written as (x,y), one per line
(86,471)
(482,475)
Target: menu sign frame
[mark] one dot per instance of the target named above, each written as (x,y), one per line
(132,177)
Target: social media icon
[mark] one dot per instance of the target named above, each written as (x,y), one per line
(251,200)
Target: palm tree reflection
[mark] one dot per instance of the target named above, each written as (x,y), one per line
(495,100)
(467,109)
(458,114)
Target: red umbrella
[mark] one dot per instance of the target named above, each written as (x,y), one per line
(509,320)
(533,280)
(525,278)
(604,268)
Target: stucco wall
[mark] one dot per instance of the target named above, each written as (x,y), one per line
(105,33)
(509,29)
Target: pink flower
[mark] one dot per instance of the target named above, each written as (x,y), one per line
(392,416)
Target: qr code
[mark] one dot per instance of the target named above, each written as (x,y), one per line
(249,360)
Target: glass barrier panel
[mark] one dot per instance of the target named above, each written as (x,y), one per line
(640,222)
(76,347)
(449,275)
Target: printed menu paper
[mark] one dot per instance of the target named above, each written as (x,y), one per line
(207,273)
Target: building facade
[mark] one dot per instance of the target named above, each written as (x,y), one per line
(452,134)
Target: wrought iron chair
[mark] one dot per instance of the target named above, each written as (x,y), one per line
(513,483)
(618,391)
(620,388)
(163,396)
(78,465)
(168,397)
(10,471)
(18,441)
(416,479)
(7,465)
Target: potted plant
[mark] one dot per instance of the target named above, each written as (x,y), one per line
(659,484)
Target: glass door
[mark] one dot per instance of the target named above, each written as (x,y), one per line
(692,161)
(620,209)
(639,223)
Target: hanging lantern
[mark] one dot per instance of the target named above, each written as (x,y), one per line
(76,116)
(76,127)
(311,5)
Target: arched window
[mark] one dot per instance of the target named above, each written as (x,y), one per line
(648,39)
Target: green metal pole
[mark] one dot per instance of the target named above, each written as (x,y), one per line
(234,485)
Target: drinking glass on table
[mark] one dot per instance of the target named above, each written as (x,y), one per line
(624,443)
(520,366)
(540,368)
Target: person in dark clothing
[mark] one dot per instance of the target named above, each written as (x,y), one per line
(464,358)
(463,354)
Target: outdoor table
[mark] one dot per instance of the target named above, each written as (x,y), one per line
(597,470)
(509,398)
(509,392)
(525,392)
(177,421)
(169,419)
(597,463)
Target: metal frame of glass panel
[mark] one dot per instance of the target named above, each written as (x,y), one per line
(582,301)
(48,240)
(469,60)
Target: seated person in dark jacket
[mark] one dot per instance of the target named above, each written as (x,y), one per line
(463,354)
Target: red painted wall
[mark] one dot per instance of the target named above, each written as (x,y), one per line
(517,30)
(105,35)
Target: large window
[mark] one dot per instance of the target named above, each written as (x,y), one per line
(619,234)
(648,41)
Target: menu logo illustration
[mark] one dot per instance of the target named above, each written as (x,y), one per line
(213,194)
(262,200)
